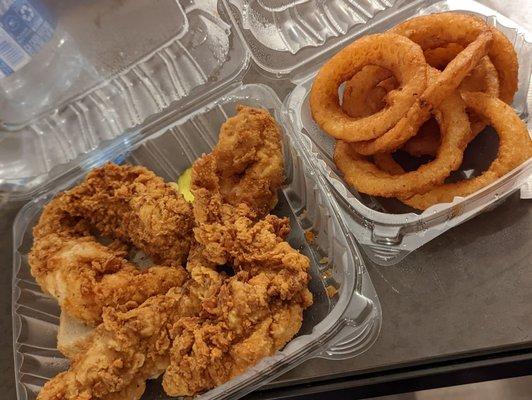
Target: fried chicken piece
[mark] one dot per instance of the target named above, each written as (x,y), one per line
(126,349)
(240,326)
(86,276)
(218,325)
(132,204)
(257,311)
(249,159)
(232,235)
(205,281)
(130,347)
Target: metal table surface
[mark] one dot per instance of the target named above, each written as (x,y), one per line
(468,292)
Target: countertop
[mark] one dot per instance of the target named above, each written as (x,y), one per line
(467,291)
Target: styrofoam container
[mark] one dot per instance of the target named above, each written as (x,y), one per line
(334,328)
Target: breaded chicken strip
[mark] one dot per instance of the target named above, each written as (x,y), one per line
(132,204)
(249,159)
(215,326)
(86,276)
(126,349)
(257,311)
(239,327)
(130,347)
(127,203)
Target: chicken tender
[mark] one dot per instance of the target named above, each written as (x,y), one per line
(130,347)
(246,287)
(86,276)
(132,204)
(126,349)
(249,159)
(256,311)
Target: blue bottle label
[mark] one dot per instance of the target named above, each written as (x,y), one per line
(25,26)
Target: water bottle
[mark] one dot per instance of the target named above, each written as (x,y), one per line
(38,61)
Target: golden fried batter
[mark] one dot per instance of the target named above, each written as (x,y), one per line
(214,326)
(130,347)
(257,311)
(126,349)
(132,204)
(127,203)
(249,159)
(86,276)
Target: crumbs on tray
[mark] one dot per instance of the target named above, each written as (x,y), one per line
(310,236)
(331,291)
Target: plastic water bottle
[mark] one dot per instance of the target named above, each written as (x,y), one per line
(38,61)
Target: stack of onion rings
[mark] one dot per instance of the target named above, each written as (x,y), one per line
(389,103)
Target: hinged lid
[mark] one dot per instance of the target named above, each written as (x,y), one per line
(289,38)
(126,61)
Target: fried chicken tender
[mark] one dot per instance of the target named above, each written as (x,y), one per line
(249,159)
(243,326)
(126,349)
(132,204)
(257,311)
(86,276)
(130,347)
(214,326)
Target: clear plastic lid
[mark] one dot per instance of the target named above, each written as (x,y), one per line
(89,43)
(387,229)
(291,38)
(106,68)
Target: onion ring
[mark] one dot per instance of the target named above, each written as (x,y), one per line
(436,30)
(386,162)
(426,141)
(439,57)
(443,85)
(363,96)
(483,78)
(386,50)
(367,178)
(365,92)
(515,147)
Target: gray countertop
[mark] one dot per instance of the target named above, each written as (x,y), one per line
(467,291)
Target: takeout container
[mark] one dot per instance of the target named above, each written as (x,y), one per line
(173,102)
(133,59)
(293,41)
(164,107)
(208,50)
(336,327)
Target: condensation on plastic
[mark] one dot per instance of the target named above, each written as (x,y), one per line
(334,328)
(386,229)
(291,38)
(140,58)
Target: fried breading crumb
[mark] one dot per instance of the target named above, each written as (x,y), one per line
(331,291)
